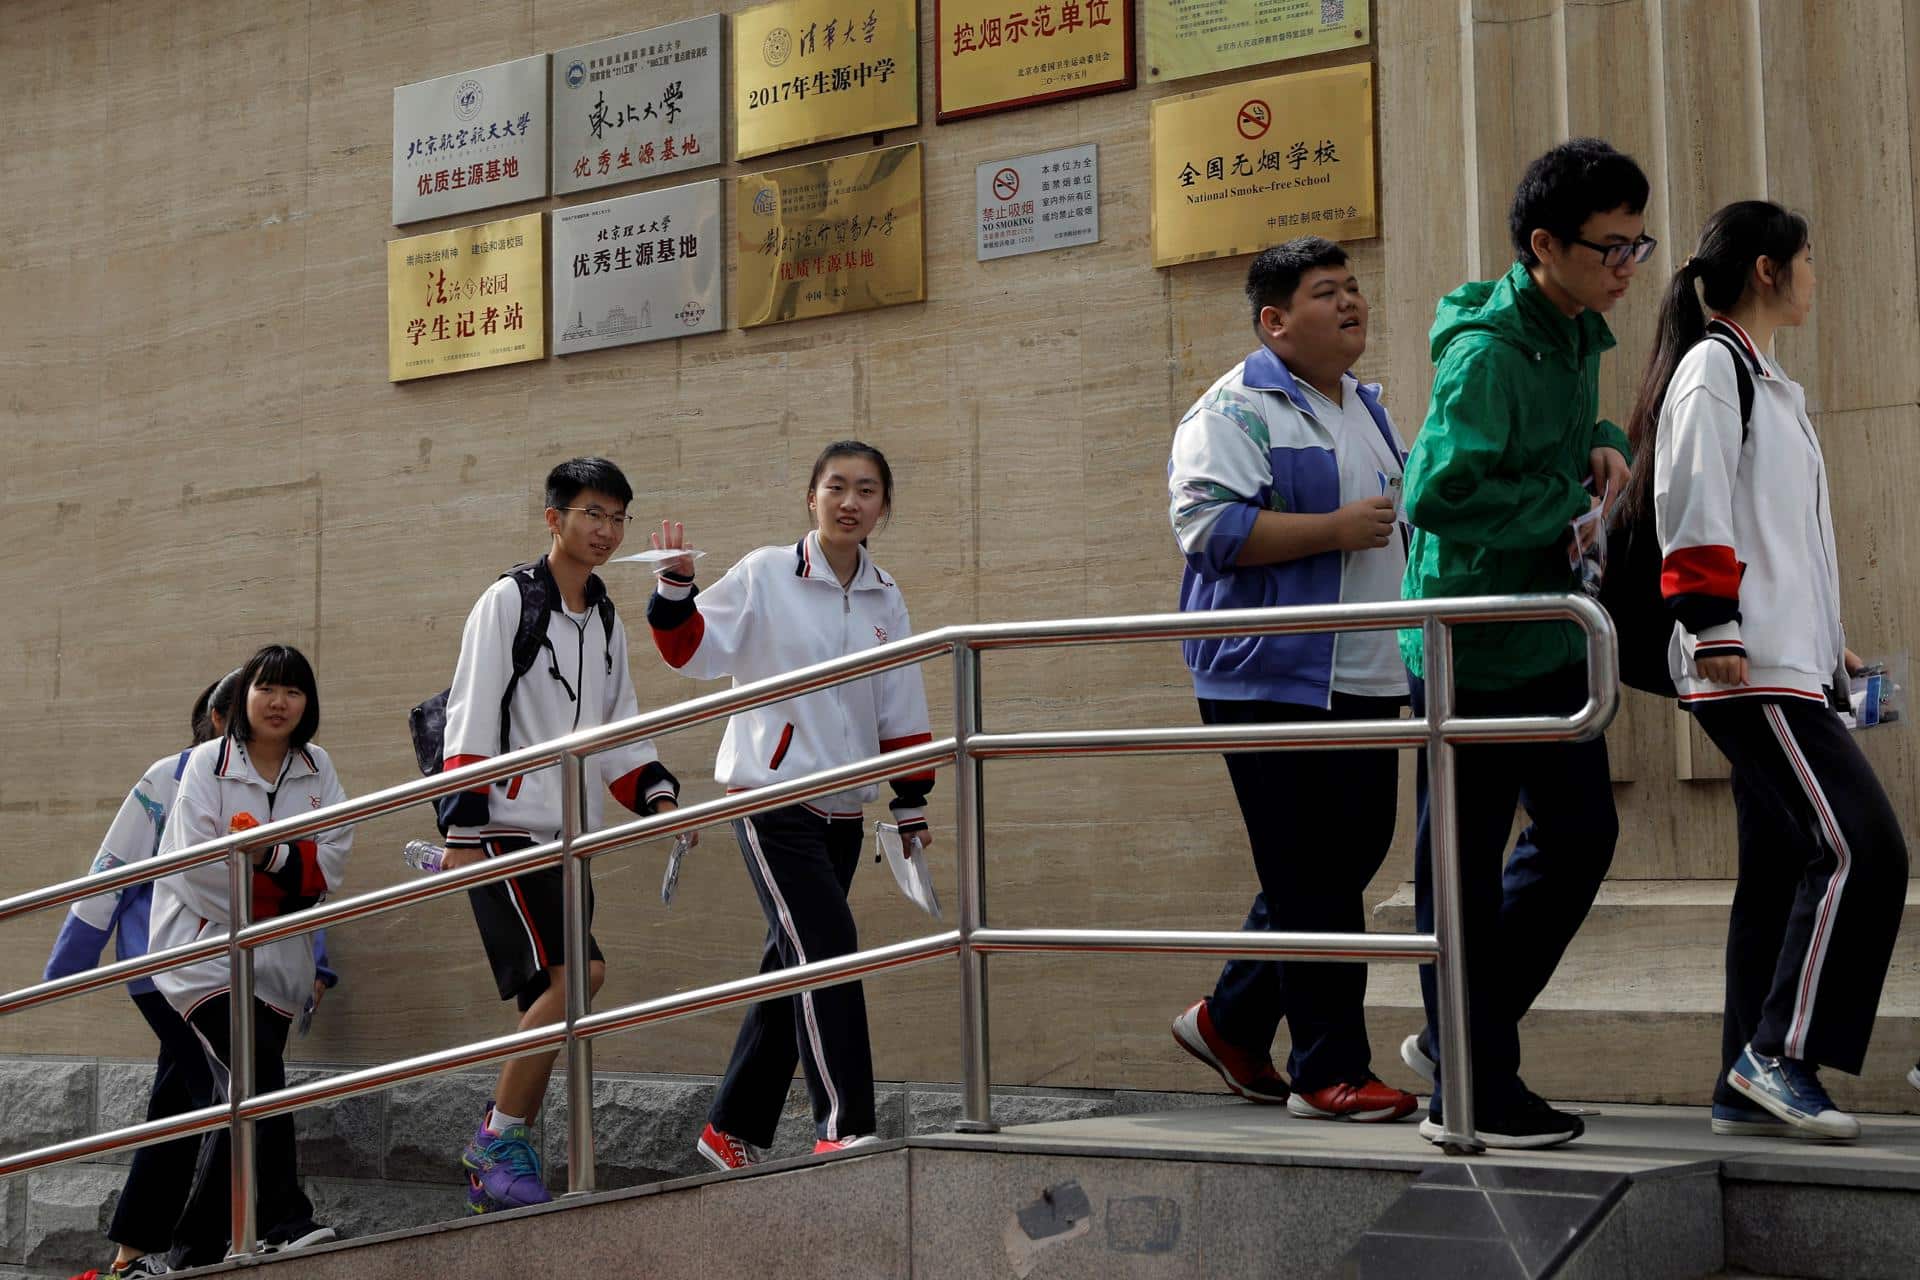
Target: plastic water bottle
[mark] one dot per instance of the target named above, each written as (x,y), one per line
(423,855)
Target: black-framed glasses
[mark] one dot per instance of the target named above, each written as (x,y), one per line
(1618,255)
(598,516)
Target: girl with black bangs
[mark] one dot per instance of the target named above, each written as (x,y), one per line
(264,767)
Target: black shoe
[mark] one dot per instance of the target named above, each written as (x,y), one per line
(1527,1123)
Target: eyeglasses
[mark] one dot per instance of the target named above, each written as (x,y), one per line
(1618,255)
(598,516)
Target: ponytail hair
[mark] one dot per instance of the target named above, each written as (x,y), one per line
(1721,272)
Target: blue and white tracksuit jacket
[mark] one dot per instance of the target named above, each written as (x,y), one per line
(123,914)
(1249,444)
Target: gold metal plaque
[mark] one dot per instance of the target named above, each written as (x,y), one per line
(468,298)
(1194,37)
(827,238)
(808,71)
(1252,164)
(992,55)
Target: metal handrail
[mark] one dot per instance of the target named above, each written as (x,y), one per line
(972,941)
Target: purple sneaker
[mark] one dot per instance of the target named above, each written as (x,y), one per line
(502,1171)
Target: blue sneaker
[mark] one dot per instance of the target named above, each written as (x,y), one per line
(502,1171)
(1743,1120)
(1791,1090)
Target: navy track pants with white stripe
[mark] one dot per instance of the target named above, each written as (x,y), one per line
(801,865)
(1823,881)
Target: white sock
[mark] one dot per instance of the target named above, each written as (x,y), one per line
(500,1121)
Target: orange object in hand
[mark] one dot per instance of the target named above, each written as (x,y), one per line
(242,821)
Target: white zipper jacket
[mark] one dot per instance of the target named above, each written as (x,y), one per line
(1746,530)
(580,682)
(781,608)
(219,785)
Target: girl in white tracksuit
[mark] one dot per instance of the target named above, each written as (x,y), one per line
(1750,575)
(780,608)
(265,767)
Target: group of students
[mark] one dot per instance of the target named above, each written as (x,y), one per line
(254,760)
(1290,486)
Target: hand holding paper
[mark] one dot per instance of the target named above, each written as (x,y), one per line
(908,863)
(670,552)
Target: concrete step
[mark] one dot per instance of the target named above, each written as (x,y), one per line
(1658,946)
(1223,1191)
(1633,1013)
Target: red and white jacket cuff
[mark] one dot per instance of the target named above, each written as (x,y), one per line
(1721,641)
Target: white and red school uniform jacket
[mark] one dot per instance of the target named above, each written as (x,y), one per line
(781,608)
(1746,530)
(581,682)
(220,783)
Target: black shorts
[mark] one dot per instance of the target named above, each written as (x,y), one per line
(522,924)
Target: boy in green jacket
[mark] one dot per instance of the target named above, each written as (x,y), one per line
(1502,467)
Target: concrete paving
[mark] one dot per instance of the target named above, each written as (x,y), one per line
(1620,1138)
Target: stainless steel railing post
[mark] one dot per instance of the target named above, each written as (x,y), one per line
(575,885)
(241,1151)
(1443,850)
(969,825)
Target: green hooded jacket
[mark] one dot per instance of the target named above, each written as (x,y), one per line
(1495,476)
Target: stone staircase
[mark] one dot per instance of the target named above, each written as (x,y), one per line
(1633,1014)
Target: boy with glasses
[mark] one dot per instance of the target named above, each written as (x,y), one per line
(578,680)
(1502,467)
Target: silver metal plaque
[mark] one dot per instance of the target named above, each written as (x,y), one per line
(638,106)
(471,140)
(637,268)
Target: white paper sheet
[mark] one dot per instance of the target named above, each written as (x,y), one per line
(681,844)
(657,555)
(909,867)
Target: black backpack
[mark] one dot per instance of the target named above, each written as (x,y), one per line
(1630,591)
(428,722)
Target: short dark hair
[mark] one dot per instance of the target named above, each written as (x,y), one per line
(1568,185)
(565,481)
(1275,273)
(275,664)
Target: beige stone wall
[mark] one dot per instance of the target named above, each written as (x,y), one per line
(202,453)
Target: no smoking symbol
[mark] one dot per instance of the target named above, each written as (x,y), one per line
(1256,117)
(1006,184)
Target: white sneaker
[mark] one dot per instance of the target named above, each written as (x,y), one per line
(1417,1062)
(299,1236)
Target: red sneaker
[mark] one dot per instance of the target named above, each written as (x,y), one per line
(1374,1101)
(724,1151)
(827,1146)
(1253,1078)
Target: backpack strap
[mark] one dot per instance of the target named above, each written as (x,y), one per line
(1744,369)
(530,636)
(599,601)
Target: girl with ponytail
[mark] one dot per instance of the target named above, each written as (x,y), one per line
(1728,463)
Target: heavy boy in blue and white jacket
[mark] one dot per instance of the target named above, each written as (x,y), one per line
(1251,443)
(1283,480)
